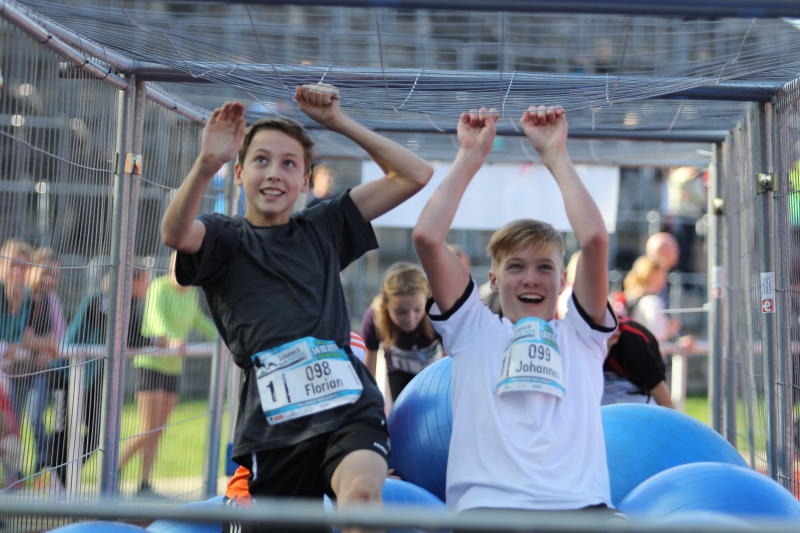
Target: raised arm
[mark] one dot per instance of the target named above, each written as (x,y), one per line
(546,128)
(222,138)
(446,273)
(405,173)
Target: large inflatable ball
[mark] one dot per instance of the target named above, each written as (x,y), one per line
(643,440)
(713,487)
(420,425)
(175,526)
(399,493)
(99,526)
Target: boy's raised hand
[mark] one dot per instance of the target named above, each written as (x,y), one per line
(319,101)
(477,129)
(223,134)
(546,128)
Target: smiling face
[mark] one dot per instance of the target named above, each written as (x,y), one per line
(529,281)
(407,311)
(272,174)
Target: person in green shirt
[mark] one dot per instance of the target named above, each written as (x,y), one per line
(171,312)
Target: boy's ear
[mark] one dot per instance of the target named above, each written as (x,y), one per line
(492,281)
(237,174)
(563,283)
(306,179)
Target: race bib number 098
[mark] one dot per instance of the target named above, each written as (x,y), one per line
(304,377)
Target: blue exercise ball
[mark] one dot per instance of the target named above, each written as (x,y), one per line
(398,493)
(420,425)
(714,487)
(99,526)
(176,526)
(643,440)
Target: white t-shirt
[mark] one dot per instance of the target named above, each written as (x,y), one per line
(523,450)
(649,312)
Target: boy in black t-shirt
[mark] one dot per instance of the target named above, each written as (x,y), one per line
(310,417)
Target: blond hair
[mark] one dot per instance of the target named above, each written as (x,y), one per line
(9,251)
(400,279)
(635,283)
(522,233)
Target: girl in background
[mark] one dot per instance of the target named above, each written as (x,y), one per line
(397,323)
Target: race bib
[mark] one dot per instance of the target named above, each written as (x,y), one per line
(413,361)
(532,361)
(304,377)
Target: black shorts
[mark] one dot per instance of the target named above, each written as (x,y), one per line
(305,469)
(147,380)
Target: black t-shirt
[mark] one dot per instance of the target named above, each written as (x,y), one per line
(636,357)
(408,344)
(267,286)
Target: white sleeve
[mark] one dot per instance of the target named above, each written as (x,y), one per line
(580,321)
(459,325)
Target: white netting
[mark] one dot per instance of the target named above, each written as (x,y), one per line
(413,71)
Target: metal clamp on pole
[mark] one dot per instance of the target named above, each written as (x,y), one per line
(766,182)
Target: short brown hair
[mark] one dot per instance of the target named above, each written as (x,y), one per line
(288,126)
(524,232)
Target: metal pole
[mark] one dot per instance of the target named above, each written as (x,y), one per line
(216,399)
(783,280)
(21,20)
(731,262)
(677,8)
(766,234)
(216,393)
(716,352)
(680,136)
(119,309)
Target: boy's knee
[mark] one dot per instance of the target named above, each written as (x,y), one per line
(360,489)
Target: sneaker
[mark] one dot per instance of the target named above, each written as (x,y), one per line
(146,491)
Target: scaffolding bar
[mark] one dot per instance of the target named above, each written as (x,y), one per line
(25,23)
(674,8)
(695,136)
(443,80)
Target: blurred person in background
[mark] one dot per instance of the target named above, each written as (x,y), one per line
(644,304)
(634,371)
(46,327)
(88,327)
(686,204)
(15,303)
(171,312)
(321,185)
(642,286)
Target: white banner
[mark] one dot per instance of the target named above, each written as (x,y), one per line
(501,193)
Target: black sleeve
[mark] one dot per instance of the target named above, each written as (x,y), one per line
(637,354)
(135,337)
(351,234)
(210,263)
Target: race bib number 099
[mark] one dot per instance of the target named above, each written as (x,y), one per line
(304,377)
(532,361)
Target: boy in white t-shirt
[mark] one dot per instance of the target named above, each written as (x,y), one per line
(527,432)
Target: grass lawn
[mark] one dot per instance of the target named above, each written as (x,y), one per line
(180,461)
(697,406)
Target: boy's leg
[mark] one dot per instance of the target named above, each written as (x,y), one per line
(356,463)
(292,472)
(359,478)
